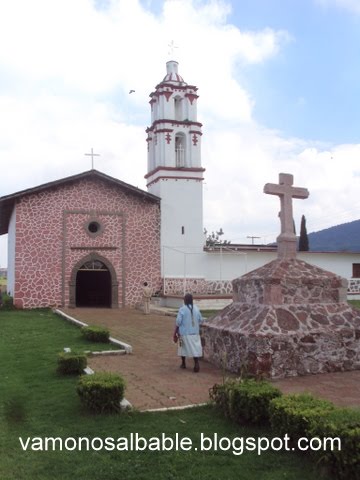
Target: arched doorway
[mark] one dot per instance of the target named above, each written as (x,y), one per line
(93,283)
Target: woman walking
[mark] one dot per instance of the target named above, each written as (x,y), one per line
(187,332)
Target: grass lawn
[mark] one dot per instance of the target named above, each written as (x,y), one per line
(36,402)
(354,303)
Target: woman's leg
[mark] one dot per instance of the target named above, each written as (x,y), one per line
(196,365)
(183,364)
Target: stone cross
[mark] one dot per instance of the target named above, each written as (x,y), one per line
(287,239)
(92,155)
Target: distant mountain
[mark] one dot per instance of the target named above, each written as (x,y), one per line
(341,238)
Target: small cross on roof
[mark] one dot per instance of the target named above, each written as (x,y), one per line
(92,155)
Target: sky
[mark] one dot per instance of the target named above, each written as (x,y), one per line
(279,87)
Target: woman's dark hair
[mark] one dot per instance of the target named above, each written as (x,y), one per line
(188,299)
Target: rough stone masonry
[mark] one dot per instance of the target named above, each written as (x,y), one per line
(288,317)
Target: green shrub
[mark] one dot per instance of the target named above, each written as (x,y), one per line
(70,363)
(292,414)
(245,401)
(220,395)
(96,334)
(7,302)
(101,392)
(343,423)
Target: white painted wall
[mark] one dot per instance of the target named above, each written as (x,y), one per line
(11,253)
(339,263)
(182,237)
(227,266)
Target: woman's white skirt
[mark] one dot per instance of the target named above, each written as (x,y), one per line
(190,346)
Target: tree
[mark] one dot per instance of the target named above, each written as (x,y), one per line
(214,238)
(303,240)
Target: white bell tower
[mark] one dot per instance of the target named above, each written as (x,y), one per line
(175,173)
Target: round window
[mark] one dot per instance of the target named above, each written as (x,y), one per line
(94,227)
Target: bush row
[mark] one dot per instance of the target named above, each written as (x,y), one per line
(73,363)
(99,392)
(303,415)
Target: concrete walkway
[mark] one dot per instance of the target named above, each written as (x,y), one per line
(154,379)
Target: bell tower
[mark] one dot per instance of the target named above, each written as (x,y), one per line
(175,173)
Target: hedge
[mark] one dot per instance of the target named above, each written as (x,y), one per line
(292,414)
(301,415)
(71,363)
(307,416)
(101,392)
(343,423)
(245,401)
(95,333)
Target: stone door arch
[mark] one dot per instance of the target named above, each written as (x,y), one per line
(84,277)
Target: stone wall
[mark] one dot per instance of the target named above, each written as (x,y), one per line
(196,286)
(175,286)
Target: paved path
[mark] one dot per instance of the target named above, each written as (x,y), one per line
(342,388)
(154,379)
(152,373)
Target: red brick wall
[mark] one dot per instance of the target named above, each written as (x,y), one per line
(51,238)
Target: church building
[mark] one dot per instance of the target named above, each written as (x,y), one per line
(86,240)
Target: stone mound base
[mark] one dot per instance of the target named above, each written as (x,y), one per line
(272,341)
(288,318)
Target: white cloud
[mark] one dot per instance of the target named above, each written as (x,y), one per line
(71,67)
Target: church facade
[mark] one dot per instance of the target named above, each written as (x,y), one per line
(86,240)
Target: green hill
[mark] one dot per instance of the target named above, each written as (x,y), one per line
(341,238)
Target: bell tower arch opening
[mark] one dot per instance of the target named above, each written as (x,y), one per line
(180,150)
(178,107)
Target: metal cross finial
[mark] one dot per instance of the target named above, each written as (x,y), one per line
(92,155)
(172,47)
(286,191)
